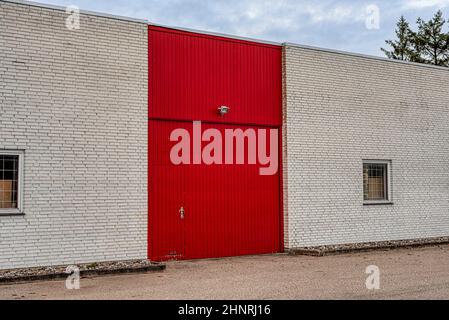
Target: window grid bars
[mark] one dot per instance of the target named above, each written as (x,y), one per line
(9,175)
(375,182)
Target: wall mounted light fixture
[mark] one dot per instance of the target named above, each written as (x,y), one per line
(224,110)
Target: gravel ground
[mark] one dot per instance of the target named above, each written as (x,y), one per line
(405,274)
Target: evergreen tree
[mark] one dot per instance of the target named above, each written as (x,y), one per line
(402,48)
(431,42)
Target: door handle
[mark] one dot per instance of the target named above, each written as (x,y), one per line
(182,213)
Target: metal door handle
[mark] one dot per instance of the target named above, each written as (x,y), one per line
(182,212)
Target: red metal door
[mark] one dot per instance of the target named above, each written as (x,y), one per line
(166,197)
(232,210)
(229,209)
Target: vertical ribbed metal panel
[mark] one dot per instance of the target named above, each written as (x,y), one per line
(166,195)
(230,210)
(193,75)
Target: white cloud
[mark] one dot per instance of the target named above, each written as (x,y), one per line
(421,4)
(336,14)
(255,18)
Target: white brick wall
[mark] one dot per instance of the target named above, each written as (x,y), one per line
(341,109)
(76,102)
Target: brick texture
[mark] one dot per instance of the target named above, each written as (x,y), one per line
(76,103)
(341,109)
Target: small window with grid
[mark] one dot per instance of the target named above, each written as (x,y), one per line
(376,181)
(10,184)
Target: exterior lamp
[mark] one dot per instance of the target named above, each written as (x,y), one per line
(224,110)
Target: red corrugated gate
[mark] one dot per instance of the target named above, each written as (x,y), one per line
(222,209)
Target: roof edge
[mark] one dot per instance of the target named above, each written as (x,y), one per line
(218,34)
(86,12)
(365,56)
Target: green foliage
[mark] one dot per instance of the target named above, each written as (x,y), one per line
(428,44)
(402,48)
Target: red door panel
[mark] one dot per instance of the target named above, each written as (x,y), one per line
(166,197)
(192,75)
(230,210)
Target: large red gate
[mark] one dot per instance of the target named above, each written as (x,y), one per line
(199,210)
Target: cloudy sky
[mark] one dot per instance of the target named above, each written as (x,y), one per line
(340,24)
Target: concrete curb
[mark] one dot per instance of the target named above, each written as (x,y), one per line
(322,251)
(83,273)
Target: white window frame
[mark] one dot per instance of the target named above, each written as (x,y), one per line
(19,209)
(389,199)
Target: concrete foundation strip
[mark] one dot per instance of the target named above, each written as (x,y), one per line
(320,251)
(95,269)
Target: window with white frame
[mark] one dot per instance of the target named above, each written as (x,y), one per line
(11,167)
(376,181)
